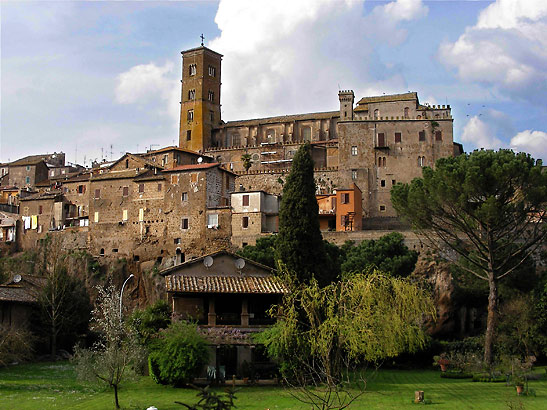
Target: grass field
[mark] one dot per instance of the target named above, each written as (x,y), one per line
(53,386)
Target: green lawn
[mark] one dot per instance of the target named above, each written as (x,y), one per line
(53,385)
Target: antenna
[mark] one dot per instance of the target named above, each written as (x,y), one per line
(240,264)
(208,262)
(200,160)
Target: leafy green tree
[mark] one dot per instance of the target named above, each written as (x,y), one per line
(149,321)
(389,254)
(299,245)
(117,356)
(263,252)
(488,207)
(180,353)
(246,159)
(322,332)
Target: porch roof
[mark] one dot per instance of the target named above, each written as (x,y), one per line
(224,284)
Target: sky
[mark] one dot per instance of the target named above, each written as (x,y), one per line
(98,79)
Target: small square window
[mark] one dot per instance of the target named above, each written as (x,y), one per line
(159,187)
(212,221)
(383,183)
(190,115)
(212,71)
(192,94)
(141,188)
(393,182)
(97,194)
(28,167)
(353,174)
(345,198)
(184,224)
(81,189)
(176,241)
(382,208)
(354,150)
(192,69)
(188,135)
(245,222)
(174,179)
(125,191)
(438,136)
(184,197)
(398,136)
(421,135)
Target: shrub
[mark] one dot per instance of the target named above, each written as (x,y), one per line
(179,354)
(15,345)
(148,322)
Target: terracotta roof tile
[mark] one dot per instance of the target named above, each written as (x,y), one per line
(225,284)
(193,166)
(283,118)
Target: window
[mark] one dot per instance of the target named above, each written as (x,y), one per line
(406,111)
(190,115)
(344,220)
(381,161)
(227,182)
(127,163)
(381,139)
(174,179)
(27,179)
(212,71)
(270,135)
(125,191)
(101,253)
(383,183)
(192,69)
(97,194)
(236,141)
(245,222)
(191,94)
(382,208)
(194,177)
(184,196)
(421,136)
(421,161)
(184,224)
(398,137)
(306,134)
(28,167)
(188,135)
(438,136)
(52,173)
(393,182)
(141,188)
(176,241)
(345,198)
(353,174)
(212,221)
(212,116)
(124,215)
(40,209)
(96,219)
(159,187)
(81,189)
(245,200)
(141,215)
(354,150)
(211,96)
(376,114)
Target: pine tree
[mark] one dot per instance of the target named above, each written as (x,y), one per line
(299,245)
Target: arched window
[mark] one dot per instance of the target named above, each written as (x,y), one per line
(270,136)
(376,114)
(384,161)
(406,111)
(306,134)
(421,161)
(127,163)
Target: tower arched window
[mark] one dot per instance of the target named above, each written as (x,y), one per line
(406,112)
(376,114)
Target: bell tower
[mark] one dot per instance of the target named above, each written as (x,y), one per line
(200,97)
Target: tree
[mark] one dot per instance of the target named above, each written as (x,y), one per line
(262,252)
(64,306)
(299,244)
(148,322)
(389,254)
(488,207)
(117,355)
(322,332)
(246,159)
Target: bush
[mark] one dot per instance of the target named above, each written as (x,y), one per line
(488,378)
(154,370)
(179,354)
(149,321)
(15,345)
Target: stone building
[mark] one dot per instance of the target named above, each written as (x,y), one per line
(374,144)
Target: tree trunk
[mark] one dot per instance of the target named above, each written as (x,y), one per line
(491,321)
(116,395)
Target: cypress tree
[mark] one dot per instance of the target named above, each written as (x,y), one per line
(299,244)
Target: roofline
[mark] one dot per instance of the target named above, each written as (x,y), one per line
(167,271)
(202,47)
(229,123)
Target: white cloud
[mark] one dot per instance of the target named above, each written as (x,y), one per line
(148,84)
(533,142)
(507,49)
(479,134)
(292,56)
